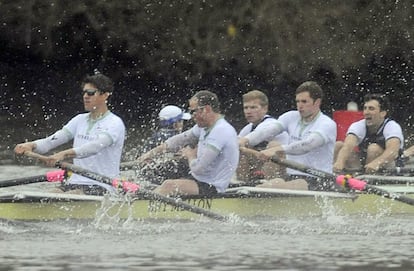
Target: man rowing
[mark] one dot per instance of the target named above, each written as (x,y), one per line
(312,136)
(167,166)
(379,139)
(98,138)
(255,135)
(210,147)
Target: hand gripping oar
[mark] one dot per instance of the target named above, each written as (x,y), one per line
(52,176)
(343,180)
(126,186)
(132,188)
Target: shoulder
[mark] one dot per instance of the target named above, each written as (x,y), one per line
(79,118)
(292,113)
(326,120)
(360,124)
(290,116)
(267,120)
(114,119)
(223,126)
(392,124)
(246,130)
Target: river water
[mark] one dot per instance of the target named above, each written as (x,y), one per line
(329,242)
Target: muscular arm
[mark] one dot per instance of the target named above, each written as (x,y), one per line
(351,141)
(200,164)
(314,141)
(265,131)
(392,147)
(152,153)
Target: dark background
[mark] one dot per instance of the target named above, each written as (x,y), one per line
(161,52)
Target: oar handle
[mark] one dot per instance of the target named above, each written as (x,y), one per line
(125,185)
(347,181)
(56,175)
(60,175)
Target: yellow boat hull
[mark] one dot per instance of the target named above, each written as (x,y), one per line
(243,207)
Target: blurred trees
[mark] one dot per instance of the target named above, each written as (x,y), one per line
(161,51)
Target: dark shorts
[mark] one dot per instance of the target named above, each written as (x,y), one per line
(204,189)
(158,172)
(93,190)
(314,183)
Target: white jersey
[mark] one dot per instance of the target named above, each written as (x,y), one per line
(391,129)
(321,157)
(217,153)
(87,134)
(260,134)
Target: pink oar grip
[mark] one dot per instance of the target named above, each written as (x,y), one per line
(126,186)
(353,183)
(55,176)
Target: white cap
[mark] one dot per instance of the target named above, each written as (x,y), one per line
(172,113)
(352,106)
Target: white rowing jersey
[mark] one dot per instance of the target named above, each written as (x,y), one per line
(257,135)
(390,129)
(97,143)
(217,153)
(319,157)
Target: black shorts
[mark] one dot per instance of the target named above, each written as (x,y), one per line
(204,189)
(315,183)
(93,190)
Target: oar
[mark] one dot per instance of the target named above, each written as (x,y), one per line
(129,165)
(342,180)
(397,171)
(52,176)
(400,170)
(386,179)
(133,188)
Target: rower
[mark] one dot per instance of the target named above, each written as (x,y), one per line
(312,136)
(255,135)
(379,139)
(210,147)
(98,138)
(171,122)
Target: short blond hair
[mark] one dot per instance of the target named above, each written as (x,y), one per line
(256,94)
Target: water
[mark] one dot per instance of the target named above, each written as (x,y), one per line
(331,242)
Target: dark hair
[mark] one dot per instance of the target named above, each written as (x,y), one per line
(380,98)
(205,97)
(101,82)
(315,91)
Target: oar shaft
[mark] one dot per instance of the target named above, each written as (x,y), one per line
(303,168)
(185,206)
(51,176)
(351,182)
(155,196)
(385,179)
(23,181)
(125,185)
(376,190)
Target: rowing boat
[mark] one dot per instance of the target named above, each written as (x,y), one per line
(239,201)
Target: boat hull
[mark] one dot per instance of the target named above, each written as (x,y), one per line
(44,207)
